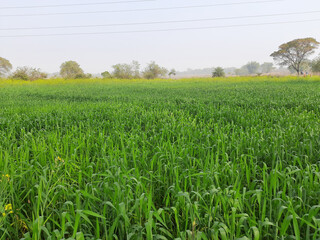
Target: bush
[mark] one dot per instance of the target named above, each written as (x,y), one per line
(27,73)
(153,71)
(218,72)
(83,76)
(71,70)
(172,72)
(126,71)
(106,74)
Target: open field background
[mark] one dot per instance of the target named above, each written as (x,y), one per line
(234,158)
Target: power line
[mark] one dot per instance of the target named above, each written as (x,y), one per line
(161,22)
(77,4)
(143,9)
(160,30)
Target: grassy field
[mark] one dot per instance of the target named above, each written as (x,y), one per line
(233,158)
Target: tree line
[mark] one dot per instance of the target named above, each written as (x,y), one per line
(251,68)
(294,55)
(72,70)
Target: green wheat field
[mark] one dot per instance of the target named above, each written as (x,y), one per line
(233,158)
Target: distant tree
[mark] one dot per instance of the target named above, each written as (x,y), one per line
(153,71)
(5,66)
(106,74)
(88,75)
(242,71)
(218,72)
(294,53)
(20,73)
(126,71)
(315,65)
(83,76)
(135,66)
(252,67)
(71,70)
(35,73)
(27,73)
(172,72)
(266,67)
(122,71)
(230,70)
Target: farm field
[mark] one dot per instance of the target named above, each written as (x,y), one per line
(234,158)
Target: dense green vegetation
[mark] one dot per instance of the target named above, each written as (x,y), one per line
(189,159)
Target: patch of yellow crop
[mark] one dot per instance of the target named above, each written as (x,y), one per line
(4,82)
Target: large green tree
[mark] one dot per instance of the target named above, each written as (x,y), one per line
(71,70)
(5,66)
(294,53)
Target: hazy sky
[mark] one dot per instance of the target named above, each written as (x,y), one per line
(180,49)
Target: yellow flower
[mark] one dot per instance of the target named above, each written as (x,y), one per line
(8,207)
(59,159)
(7,176)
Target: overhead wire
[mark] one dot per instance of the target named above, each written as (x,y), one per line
(160,22)
(76,4)
(145,23)
(141,9)
(158,30)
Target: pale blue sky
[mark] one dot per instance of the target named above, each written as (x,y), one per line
(224,47)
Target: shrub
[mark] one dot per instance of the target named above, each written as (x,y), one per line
(153,71)
(27,73)
(218,72)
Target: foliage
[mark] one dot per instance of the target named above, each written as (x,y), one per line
(122,71)
(106,74)
(218,72)
(305,66)
(126,71)
(230,158)
(83,75)
(315,65)
(27,73)
(5,66)
(135,65)
(248,69)
(243,71)
(266,67)
(294,53)
(252,67)
(172,72)
(71,70)
(153,71)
